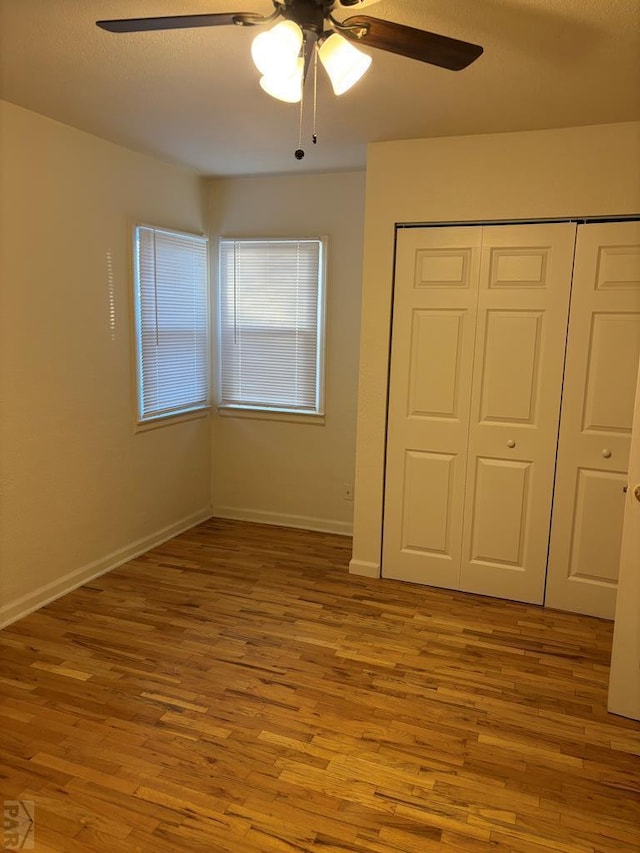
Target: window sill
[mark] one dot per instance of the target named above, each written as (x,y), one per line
(170,420)
(267,415)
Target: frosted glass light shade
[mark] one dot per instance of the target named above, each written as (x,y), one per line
(343,62)
(276,52)
(285,87)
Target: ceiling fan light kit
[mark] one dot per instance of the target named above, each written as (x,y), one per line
(343,62)
(285,87)
(279,55)
(309,31)
(276,52)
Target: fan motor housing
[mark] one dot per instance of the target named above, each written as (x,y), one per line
(309,15)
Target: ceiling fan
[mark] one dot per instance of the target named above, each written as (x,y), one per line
(309,31)
(311,17)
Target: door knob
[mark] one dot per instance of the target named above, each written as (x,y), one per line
(511,443)
(636,492)
(606,453)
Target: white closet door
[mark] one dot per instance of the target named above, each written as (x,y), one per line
(597,413)
(434,315)
(515,408)
(465,381)
(624,677)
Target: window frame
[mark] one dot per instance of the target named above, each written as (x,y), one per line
(269,411)
(200,409)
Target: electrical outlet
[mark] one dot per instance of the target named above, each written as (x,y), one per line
(347,491)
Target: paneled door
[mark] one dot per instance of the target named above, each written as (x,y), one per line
(624,676)
(433,338)
(479,331)
(521,335)
(597,414)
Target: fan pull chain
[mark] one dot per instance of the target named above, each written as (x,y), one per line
(314,136)
(299,154)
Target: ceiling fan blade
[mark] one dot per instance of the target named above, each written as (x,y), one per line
(409,41)
(178,22)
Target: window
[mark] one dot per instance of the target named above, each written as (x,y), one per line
(172,336)
(271,315)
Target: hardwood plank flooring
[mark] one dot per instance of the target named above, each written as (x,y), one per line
(237,691)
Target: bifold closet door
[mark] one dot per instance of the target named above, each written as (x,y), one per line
(515,408)
(597,415)
(434,318)
(479,330)
(624,674)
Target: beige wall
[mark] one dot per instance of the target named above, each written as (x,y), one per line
(81,491)
(589,171)
(276,471)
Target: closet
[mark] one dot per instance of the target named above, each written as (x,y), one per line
(477,385)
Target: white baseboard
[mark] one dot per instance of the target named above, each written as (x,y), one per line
(49,592)
(364,568)
(279,519)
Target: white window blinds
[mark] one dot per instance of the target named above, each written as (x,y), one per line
(171,303)
(271,315)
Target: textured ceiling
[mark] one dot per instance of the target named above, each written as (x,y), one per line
(192,96)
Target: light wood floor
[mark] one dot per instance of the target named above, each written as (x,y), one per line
(237,690)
